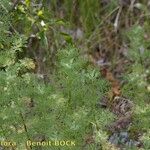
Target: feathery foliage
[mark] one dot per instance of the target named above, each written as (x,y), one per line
(65,110)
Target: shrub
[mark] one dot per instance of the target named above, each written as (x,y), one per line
(64,109)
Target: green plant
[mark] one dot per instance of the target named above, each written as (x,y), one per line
(30,108)
(36,41)
(63,110)
(137,87)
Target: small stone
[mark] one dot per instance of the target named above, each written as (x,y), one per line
(124,134)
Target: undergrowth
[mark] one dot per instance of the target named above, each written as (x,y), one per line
(36,39)
(62,110)
(137,87)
